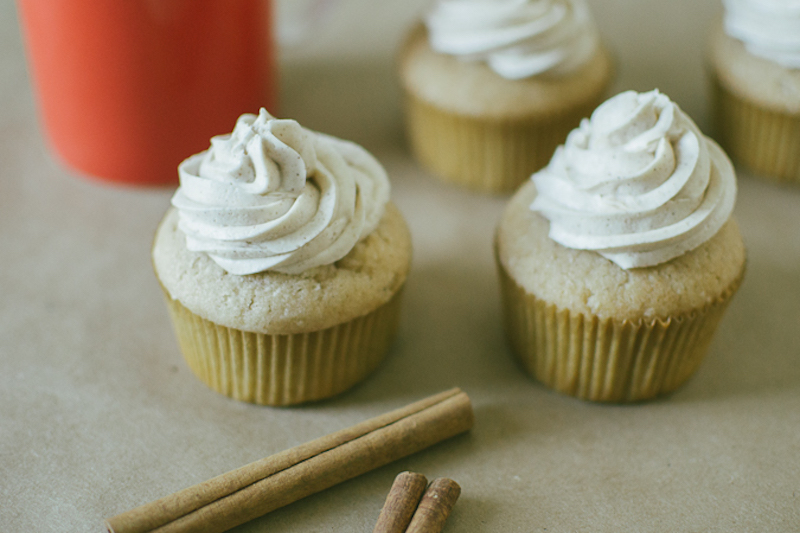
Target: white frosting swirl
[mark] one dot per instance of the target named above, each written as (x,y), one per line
(768,28)
(517,38)
(273,195)
(638,183)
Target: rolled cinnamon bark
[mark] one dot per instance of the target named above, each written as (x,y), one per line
(435,506)
(231,499)
(401,503)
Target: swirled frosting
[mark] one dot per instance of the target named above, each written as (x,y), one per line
(768,28)
(638,183)
(273,195)
(517,38)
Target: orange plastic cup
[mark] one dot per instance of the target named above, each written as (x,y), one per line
(127,89)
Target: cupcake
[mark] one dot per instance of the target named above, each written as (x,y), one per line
(282,262)
(755,72)
(618,259)
(493,86)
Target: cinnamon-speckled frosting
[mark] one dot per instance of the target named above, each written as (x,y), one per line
(273,195)
(638,183)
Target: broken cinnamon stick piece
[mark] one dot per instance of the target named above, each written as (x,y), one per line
(435,506)
(234,498)
(401,503)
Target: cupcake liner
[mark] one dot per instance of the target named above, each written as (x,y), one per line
(284,369)
(488,155)
(607,360)
(763,140)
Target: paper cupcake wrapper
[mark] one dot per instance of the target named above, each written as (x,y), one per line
(284,369)
(765,141)
(606,360)
(488,155)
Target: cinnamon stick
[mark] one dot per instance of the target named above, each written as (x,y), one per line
(435,506)
(253,490)
(401,503)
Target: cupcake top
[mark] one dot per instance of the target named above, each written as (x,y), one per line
(274,196)
(637,182)
(517,38)
(768,28)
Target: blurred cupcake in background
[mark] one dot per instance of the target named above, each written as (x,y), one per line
(755,71)
(618,259)
(493,86)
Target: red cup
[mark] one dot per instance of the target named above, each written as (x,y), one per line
(127,89)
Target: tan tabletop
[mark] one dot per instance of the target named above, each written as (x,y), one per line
(99,413)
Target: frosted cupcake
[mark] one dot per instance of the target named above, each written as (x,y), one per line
(755,69)
(619,258)
(282,261)
(493,86)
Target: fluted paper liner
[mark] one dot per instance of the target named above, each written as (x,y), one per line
(607,360)
(763,140)
(489,155)
(284,369)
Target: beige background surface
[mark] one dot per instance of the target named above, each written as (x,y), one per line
(99,413)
